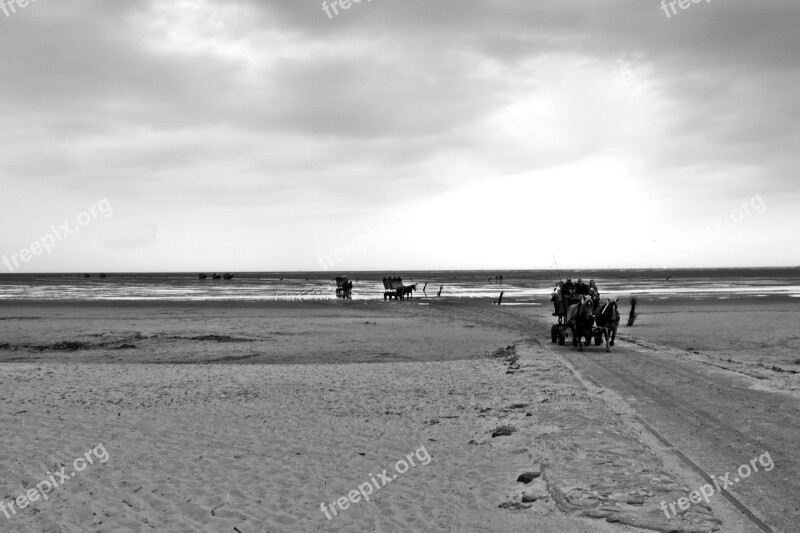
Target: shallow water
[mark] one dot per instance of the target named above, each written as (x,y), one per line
(517,286)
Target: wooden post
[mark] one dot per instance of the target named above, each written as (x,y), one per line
(632,315)
(438,294)
(501,297)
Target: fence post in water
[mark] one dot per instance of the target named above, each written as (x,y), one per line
(632,315)
(501,297)
(438,294)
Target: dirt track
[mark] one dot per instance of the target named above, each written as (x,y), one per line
(714,418)
(717,419)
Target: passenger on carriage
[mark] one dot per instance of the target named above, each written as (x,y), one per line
(594,294)
(557,295)
(581,289)
(559,298)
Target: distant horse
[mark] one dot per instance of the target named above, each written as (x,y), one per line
(579,321)
(228,276)
(216,276)
(407,291)
(608,320)
(202,276)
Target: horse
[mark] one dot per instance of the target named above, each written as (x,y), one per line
(408,291)
(608,320)
(402,293)
(579,320)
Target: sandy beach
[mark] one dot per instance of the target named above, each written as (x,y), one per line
(277,266)
(208,429)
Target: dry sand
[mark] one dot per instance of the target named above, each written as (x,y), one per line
(258,447)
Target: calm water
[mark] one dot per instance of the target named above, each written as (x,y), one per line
(519,286)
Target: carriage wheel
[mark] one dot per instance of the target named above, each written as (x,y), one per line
(561,338)
(598,339)
(553,333)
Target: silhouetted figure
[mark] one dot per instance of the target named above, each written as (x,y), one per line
(581,289)
(594,294)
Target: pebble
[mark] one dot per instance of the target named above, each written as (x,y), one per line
(527,477)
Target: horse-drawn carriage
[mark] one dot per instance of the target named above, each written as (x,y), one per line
(344,287)
(394,288)
(582,317)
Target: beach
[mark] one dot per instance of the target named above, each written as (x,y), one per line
(261,416)
(282,267)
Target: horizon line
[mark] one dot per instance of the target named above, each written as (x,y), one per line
(334,272)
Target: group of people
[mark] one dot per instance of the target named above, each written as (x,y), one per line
(390,283)
(567,292)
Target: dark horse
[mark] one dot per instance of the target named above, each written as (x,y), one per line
(407,291)
(608,320)
(579,320)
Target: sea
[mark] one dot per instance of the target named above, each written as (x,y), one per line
(521,287)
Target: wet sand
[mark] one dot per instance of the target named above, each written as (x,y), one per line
(236,332)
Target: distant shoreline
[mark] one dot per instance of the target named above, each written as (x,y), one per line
(377,274)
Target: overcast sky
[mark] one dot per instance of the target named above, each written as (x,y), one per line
(398,134)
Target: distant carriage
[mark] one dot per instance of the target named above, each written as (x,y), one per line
(393,288)
(344,288)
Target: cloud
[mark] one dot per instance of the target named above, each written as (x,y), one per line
(187,107)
